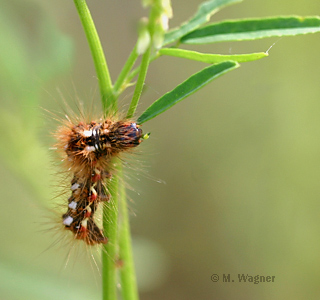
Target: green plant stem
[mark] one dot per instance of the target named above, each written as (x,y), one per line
(136,71)
(122,82)
(154,13)
(109,253)
(129,288)
(109,97)
(140,83)
(105,84)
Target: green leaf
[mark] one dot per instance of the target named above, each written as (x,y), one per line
(185,89)
(211,58)
(203,14)
(251,29)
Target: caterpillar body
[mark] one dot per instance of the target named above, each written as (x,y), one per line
(87,150)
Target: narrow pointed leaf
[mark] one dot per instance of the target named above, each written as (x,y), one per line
(203,14)
(211,58)
(185,89)
(251,29)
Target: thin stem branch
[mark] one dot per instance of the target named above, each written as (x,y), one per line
(129,288)
(121,81)
(144,63)
(105,84)
(136,71)
(140,83)
(109,253)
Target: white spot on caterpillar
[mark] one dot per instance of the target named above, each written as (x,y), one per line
(93,190)
(68,221)
(75,186)
(90,148)
(84,223)
(87,133)
(73,205)
(97,171)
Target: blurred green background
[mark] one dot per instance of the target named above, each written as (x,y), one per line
(240,159)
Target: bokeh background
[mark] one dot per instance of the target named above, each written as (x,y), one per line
(228,183)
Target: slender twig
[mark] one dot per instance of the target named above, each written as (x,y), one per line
(140,83)
(144,64)
(136,71)
(127,272)
(109,253)
(121,81)
(105,84)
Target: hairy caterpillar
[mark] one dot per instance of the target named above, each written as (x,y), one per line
(87,150)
